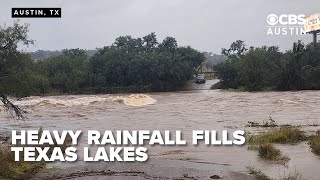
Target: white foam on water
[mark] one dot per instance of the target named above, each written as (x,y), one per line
(131,100)
(135,100)
(82,101)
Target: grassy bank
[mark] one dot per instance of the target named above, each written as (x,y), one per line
(16,170)
(10,169)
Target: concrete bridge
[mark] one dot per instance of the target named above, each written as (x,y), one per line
(191,85)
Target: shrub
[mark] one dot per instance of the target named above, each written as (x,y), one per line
(314,143)
(10,169)
(269,152)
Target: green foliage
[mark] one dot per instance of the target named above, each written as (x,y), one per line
(45,54)
(129,63)
(17,76)
(236,49)
(228,73)
(67,72)
(11,169)
(140,64)
(267,68)
(144,62)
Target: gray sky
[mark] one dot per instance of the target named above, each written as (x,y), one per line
(206,25)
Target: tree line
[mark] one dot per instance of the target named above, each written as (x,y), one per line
(130,64)
(266,68)
(144,64)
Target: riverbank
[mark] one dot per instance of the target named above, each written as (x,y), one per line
(152,169)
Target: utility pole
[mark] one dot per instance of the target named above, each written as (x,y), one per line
(312,26)
(315,33)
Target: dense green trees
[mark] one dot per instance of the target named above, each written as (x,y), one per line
(17,75)
(130,64)
(67,72)
(267,68)
(143,62)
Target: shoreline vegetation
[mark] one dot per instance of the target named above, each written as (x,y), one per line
(266,68)
(274,133)
(135,65)
(127,65)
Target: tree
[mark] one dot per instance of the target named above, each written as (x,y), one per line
(150,42)
(169,44)
(14,65)
(16,68)
(160,67)
(67,72)
(268,68)
(236,49)
(228,73)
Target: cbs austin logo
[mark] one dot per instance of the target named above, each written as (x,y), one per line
(286,24)
(36,13)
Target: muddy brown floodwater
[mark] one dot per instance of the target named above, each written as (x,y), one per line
(186,111)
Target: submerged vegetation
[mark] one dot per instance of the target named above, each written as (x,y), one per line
(267,123)
(314,142)
(263,142)
(13,110)
(269,152)
(271,123)
(259,175)
(283,135)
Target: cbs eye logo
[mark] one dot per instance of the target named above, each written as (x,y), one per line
(286,19)
(272,19)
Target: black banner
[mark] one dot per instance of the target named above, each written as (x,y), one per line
(36,13)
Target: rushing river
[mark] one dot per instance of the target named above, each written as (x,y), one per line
(186,111)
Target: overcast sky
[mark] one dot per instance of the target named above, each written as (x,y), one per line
(206,25)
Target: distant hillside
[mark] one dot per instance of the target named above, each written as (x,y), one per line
(213,59)
(43,54)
